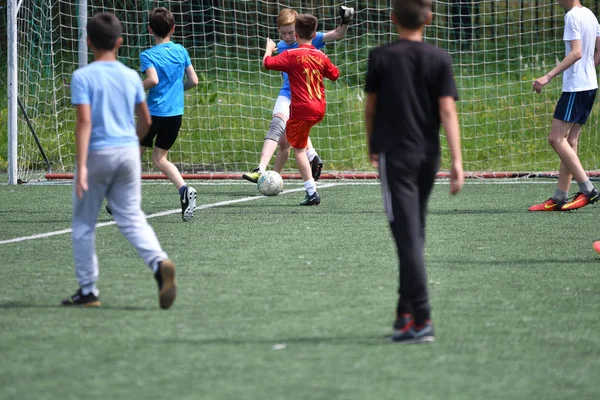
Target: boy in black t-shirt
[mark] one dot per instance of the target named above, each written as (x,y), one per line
(410,90)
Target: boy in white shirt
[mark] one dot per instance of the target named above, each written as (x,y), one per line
(582,43)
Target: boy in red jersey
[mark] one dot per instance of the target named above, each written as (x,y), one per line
(306,67)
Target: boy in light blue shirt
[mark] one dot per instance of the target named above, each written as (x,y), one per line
(107,94)
(165,66)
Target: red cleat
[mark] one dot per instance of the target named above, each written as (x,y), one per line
(548,205)
(581,200)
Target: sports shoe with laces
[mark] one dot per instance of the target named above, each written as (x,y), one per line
(165,279)
(580,200)
(411,333)
(188,203)
(313,200)
(252,176)
(83,300)
(403,322)
(316,166)
(548,205)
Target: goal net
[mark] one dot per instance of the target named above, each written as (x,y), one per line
(498,47)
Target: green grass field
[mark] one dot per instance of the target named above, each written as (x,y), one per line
(515,300)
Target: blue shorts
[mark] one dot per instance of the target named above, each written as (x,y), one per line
(575,107)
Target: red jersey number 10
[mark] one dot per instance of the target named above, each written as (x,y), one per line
(313,78)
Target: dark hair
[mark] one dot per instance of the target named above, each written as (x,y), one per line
(161,21)
(411,14)
(306,25)
(103,30)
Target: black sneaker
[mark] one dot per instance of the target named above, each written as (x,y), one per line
(188,203)
(316,166)
(411,333)
(403,322)
(313,200)
(79,299)
(165,279)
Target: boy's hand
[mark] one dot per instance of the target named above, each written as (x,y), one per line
(271,46)
(82,182)
(374,157)
(457,179)
(346,14)
(539,83)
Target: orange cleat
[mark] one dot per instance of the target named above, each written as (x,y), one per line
(548,205)
(581,200)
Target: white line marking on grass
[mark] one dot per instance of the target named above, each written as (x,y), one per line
(159,214)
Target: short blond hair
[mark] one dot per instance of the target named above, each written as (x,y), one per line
(287,16)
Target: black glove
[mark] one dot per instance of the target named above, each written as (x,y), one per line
(346,14)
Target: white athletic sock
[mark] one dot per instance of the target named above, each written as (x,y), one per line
(311,153)
(310,186)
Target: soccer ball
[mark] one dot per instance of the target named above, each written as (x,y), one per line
(270,183)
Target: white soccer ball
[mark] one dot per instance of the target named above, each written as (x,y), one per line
(270,183)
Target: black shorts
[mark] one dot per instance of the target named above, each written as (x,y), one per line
(165,130)
(575,107)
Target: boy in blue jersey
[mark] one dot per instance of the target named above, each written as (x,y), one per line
(165,65)
(281,112)
(107,94)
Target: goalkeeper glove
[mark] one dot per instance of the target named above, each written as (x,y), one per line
(346,14)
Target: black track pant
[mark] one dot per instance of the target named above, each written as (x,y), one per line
(406,182)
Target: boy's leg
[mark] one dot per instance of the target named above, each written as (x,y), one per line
(404,180)
(160,161)
(85,216)
(572,111)
(281,113)
(559,139)
(568,156)
(564,175)
(274,134)
(316,164)
(297,133)
(125,196)
(303,164)
(283,153)
(312,196)
(167,130)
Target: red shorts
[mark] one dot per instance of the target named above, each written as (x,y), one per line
(297,132)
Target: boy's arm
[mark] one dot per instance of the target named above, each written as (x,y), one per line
(191,78)
(151,78)
(372,86)
(572,34)
(144,120)
(331,72)
(447,96)
(346,14)
(449,119)
(571,58)
(83,131)
(279,62)
(369,118)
